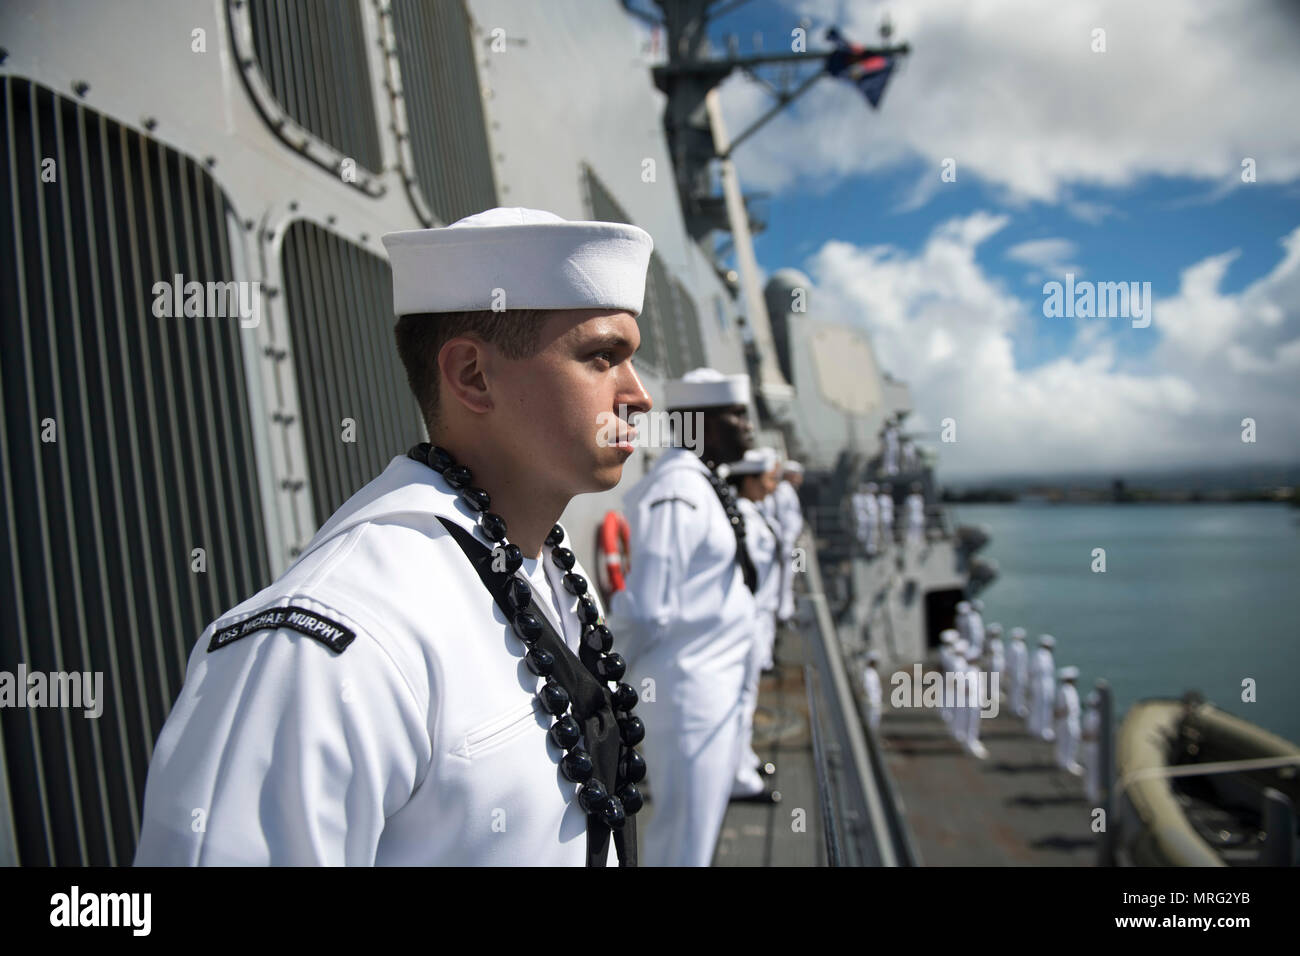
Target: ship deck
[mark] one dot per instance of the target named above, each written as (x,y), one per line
(777,834)
(1014,808)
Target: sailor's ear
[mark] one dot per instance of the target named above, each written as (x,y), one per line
(463,366)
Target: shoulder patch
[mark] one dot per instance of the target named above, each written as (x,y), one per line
(660,501)
(332,634)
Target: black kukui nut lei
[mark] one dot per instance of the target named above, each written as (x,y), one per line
(595,797)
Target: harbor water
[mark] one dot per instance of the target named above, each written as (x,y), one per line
(1192,597)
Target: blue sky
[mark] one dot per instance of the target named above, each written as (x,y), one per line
(1118,164)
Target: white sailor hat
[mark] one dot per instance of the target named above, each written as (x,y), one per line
(515,258)
(1068,673)
(948,636)
(757,461)
(994,628)
(706,388)
(963,607)
(873,657)
(872,487)
(793,467)
(1047,640)
(960,648)
(1018,633)
(1093,699)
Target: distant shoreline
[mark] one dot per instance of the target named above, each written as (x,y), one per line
(1099,496)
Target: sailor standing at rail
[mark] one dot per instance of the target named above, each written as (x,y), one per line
(417,689)
(1067,722)
(915,516)
(911,462)
(753,477)
(890,442)
(872,692)
(886,502)
(962,620)
(688,614)
(975,625)
(1018,672)
(970,713)
(1091,753)
(789,514)
(994,654)
(947,642)
(1042,689)
(868,517)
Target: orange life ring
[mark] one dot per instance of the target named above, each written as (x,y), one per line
(612,549)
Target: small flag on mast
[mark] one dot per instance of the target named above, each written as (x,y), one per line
(869,72)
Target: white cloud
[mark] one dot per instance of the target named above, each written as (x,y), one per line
(1045,253)
(939,323)
(1012,90)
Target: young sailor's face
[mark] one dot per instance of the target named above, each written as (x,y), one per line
(571,401)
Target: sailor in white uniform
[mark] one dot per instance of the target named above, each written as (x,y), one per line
(873,693)
(885,501)
(995,654)
(911,460)
(966,721)
(1068,722)
(890,441)
(1091,751)
(948,639)
(867,511)
(1018,672)
(789,514)
(1042,689)
(915,516)
(376,704)
(975,626)
(962,620)
(687,619)
(752,477)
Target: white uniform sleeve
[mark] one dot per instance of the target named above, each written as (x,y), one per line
(660,556)
(281,752)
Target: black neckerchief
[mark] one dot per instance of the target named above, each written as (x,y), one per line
(592,704)
(728,498)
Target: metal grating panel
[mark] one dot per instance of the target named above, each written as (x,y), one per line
(152,458)
(663,312)
(340,303)
(444,107)
(605,208)
(692,335)
(313,57)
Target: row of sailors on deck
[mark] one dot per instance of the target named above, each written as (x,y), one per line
(1052,710)
(873,515)
(712,531)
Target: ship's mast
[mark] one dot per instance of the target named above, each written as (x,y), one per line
(697,138)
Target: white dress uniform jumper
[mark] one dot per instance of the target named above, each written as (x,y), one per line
(686,620)
(1018,672)
(375,705)
(761,539)
(790,518)
(1042,693)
